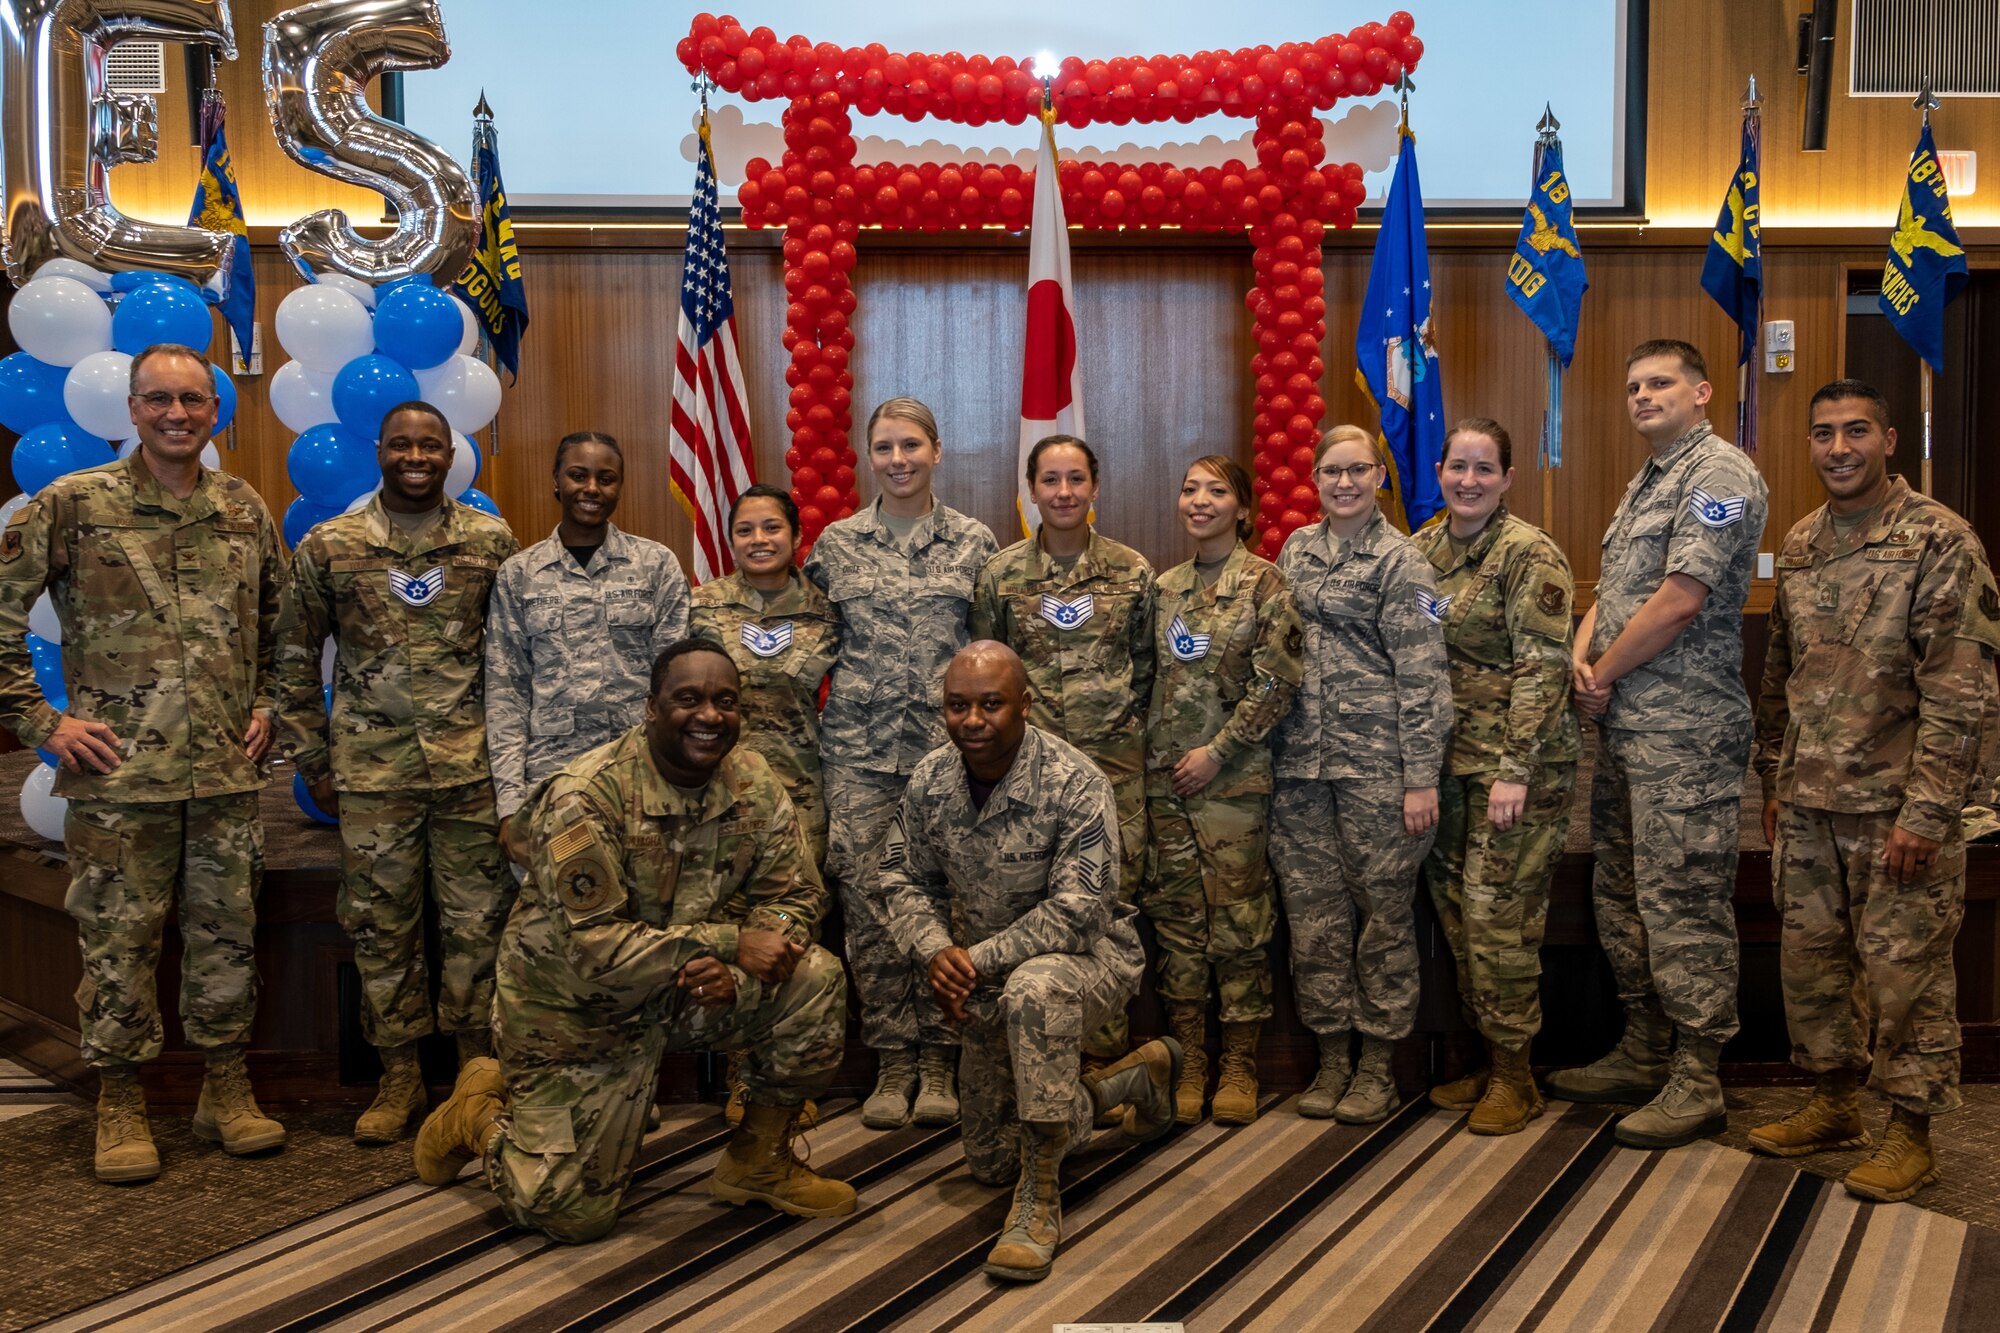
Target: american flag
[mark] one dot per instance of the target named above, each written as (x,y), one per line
(709,446)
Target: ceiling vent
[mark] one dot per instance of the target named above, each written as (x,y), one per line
(136,67)
(1900,44)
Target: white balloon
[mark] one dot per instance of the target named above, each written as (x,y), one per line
(465,389)
(60,321)
(14,505)
(326,656)
(211,457)
(42,619)
(464,466)
(92,278)
(324,327)
(40,806)
(354,287)
(360,502)
(470,339)
(302,398)
(95,394)
(126,448)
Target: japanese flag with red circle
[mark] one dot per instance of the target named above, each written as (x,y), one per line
(1051,385)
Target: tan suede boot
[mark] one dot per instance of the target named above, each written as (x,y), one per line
(732,1110)
(1027,1246)
(937,1086)
(1329,1085)
(1372,1093)
(1189,1022)
(1512,1099)
(227,1111)
(888,1107)
(462,1128)
(125,1150)
(1143,1083)
(1689,1107)
(1236,1082)
(1903,1164)
(399,1098)
(1829,1121)
(1462,1093)
(758,1167)
(1632,1071)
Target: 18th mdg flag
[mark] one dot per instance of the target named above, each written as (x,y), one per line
(1733,272)
(1051,382)
(1545,277)
(218,206)
(1926,266)
(491,281)
(1395,350)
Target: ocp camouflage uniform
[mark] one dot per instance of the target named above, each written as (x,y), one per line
(1085,635)
(1371,720)
(1028,886)
(405,745)
(1665,800)
(167,607)
(783,645)
(1505,602)
(569,652)
(632,879)
(1230,660)
(1878,683)
(902,612)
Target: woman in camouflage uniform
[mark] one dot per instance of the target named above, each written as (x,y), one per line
(1357,761)
(1228,646)
(1504,802)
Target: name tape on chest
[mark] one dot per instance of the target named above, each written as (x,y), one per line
(1716,513)
(1186,645)
(1067,615)
(420,589)
(767,642)
(1433,607)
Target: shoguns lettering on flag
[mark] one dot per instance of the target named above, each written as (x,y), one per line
(1926,267)
(491,282)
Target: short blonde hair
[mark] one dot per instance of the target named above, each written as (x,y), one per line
(905,409)
(1349,435)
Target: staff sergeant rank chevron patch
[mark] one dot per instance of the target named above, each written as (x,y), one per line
(1067,615)
(1713,512)
(1433,607)
(1187,646)
(767,642)
(421,590)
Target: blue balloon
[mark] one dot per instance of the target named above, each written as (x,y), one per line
(131,280)
(225,399)
(161,312)
(366,388)
(418,325)
(328,687)
(303,795)
(48,758)
(331,465)
(301,517)
(480,500)
(31,393)
(55,450)
(46,658)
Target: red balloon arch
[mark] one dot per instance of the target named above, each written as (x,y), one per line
(822,197)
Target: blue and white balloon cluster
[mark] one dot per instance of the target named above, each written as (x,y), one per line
(350,366)
(65,394)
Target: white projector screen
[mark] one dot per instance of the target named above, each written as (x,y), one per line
(593,111)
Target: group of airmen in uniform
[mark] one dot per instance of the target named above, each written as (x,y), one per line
(625,801)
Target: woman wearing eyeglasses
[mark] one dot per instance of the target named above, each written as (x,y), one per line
(1504,803)
(1357,762)
(1228,645)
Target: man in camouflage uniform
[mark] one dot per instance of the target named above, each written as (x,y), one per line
(166,578)
(1000,871)
(669,907)
(401,585)
(1084,631)
(1877,685)
(1659,664)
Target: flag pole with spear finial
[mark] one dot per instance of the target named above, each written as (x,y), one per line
(1927,102)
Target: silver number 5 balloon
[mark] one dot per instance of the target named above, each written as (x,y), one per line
(318,60)
(63,134)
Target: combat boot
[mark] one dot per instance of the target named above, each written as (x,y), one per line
(1462,1093)
(1189,1022)
(758,1166)
(1632,1071)
(1236,1081)
(227,1113)
(1329,1085)
(888,1107)
(732,1110)
(472,1043)
(1027,1246)
(125,1150)
(937,1086)
(1688,1108)
(463,1126)
(399,1098)
(1828,1122)
(1097,1064)
(1903,1164)
(1511,1099)
(1372,1094)
(1142,1081)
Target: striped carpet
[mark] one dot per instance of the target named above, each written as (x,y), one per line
(1287,1225)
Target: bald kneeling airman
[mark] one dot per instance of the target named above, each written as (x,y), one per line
(1000,873)
(669,907)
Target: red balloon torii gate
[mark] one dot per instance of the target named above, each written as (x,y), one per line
(1285,200)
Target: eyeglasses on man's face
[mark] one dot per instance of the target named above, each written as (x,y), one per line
(159,400)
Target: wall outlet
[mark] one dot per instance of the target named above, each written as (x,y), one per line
(1780,355)
(1767,565)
